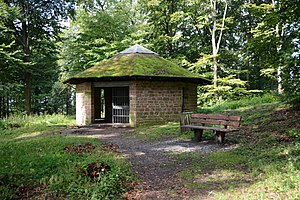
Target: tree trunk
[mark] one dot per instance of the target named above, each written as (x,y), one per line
(216,42)
(215,76)
(279,80)
(7,106)
(215,49)
(4,106)
(1,107)
(27,93)
(278,48)
(27,74)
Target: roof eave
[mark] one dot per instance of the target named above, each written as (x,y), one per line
(200,81)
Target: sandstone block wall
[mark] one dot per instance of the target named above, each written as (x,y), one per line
(160,102)
(190,97)
(84,104)
(151,102)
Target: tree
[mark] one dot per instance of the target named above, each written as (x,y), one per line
(37,22)
(216,41)
(10,62)
(164,21)
(96,34)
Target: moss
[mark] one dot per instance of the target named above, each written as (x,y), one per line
(136,65)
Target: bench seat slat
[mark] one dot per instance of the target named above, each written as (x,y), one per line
(216,122)
(219,117)
(209,128)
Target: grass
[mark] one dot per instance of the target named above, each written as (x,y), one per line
(155,132)
(265,163)
(240,104)
(34,162)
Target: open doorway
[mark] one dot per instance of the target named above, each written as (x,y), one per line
(102,105)
(111,105)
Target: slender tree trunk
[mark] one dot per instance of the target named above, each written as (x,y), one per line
(216,42)
(27,74)
(279,71)
(214,47)
(1,107)
(4,106)
(7,106)
(279,81)
(27,93)
(278,48)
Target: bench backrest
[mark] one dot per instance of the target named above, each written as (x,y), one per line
(224,120)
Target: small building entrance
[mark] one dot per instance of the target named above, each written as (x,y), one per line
(120,105)
(111,105)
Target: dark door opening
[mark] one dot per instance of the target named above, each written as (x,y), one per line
(102,105)
(111,105)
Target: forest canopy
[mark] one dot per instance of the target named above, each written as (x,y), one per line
(244,47)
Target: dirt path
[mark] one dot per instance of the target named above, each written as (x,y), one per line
(152,163)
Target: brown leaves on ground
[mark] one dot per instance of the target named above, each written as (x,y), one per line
(108,146)
(79,148)
(27,192)
(88,147)
(93,170)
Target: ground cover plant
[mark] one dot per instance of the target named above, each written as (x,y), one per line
(155,132)
(38,161)
(265,163)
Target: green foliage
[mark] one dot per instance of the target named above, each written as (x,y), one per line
(258,39)
(294,133)
(229,89)
(29,30)
(11,125)
(264,164)
(33,155)
(62,99)
(273,46)
(235,104)
(95,35)
(292,81)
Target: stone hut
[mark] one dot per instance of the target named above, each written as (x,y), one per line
(134,87)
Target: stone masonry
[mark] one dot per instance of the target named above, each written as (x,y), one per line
(84,104)
(151,102)
(160,102)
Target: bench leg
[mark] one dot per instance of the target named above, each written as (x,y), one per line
(197,135)
(220,137)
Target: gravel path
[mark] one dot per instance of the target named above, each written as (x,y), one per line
(151,161)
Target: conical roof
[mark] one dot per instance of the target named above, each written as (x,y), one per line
(136,63)
(137,49)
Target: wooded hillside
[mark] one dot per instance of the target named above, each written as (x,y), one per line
(243,47)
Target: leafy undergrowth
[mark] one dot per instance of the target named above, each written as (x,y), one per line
(36,161)
(266,163)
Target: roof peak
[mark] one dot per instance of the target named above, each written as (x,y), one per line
(137,49)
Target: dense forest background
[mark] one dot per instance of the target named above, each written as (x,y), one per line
(245,47)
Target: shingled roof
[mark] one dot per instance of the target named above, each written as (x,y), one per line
(136,63)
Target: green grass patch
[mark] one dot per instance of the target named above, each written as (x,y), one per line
(36,157)
(265,165)
(154,132)
(238,104)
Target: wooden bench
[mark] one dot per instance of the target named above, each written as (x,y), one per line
(220,124)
